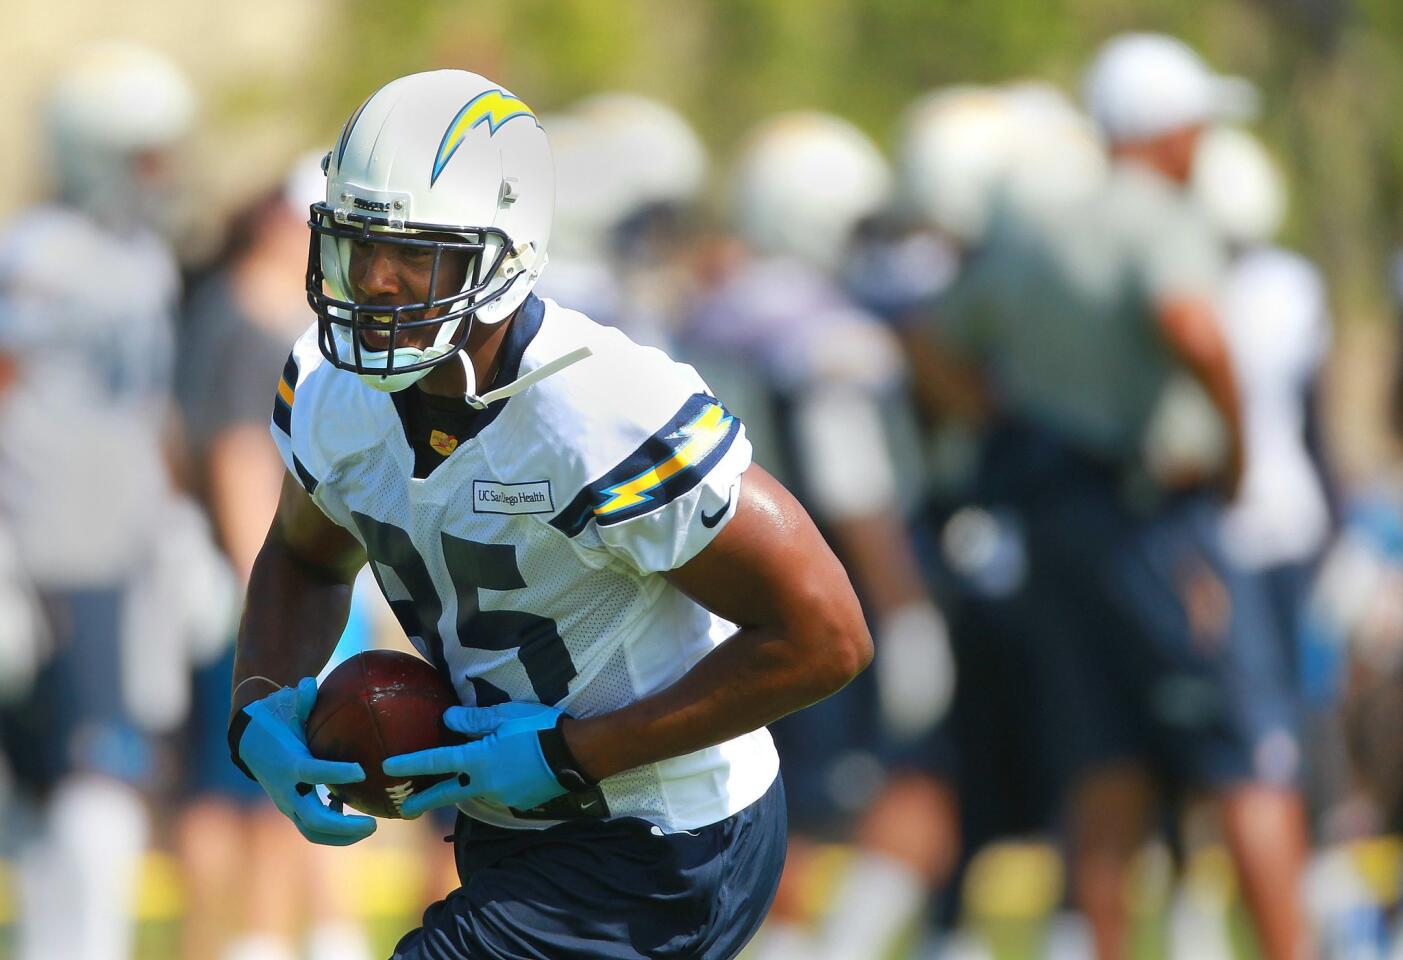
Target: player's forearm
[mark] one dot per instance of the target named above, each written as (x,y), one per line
(293,617)
(754,678)
(243,479)
(1214,374)
(881,560)
(9,372)
(946,385)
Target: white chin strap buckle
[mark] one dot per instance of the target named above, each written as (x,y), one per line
(521,258)
(522,382)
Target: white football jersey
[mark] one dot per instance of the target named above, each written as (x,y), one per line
(527,566)
(1275,315)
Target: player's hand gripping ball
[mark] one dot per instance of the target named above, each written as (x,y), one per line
(379,704)
(505,763)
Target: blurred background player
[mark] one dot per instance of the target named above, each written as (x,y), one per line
(823,386)
(630,172)
(250,880)
(123,569)
(983,773)
(1077,310)
(1152,97)
(1275,316)
(1352,690)
(1275,313)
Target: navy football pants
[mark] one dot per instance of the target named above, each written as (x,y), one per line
(607,890)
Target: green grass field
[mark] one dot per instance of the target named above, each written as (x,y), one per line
(1012,890)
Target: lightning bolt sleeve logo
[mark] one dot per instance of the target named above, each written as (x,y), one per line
(665,467)
(700,437)
(492,107)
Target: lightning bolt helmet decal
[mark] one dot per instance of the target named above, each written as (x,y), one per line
(493,107)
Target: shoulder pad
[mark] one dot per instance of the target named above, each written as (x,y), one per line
(310,441)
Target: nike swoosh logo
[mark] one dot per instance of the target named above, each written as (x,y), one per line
(710,520)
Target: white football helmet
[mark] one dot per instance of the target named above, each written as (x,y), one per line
(952,149)
(1238,184)
(445,152)
(116,102)
(960,149)
(626,155)
(803,183)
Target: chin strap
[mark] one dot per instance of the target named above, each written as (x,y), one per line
(522,382)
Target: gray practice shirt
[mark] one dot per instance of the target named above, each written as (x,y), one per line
(231,368)
(1059,304)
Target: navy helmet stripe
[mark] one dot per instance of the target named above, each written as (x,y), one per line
(350,125)
(309,482)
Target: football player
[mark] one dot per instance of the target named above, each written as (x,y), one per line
(84,489)
(822,386)
(1274,308)
(961,151)
(568,525)
(1076,312)
(237,326)
(1276,318)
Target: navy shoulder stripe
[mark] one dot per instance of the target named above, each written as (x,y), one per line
(287,390)
(667,465)
(304,476)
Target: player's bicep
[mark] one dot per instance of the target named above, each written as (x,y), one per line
(300,527)
(770,567)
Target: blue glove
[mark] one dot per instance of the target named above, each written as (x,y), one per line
(506,766)
(272,748)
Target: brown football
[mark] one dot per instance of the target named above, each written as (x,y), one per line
(375,705)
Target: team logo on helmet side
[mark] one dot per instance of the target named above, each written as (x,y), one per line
(493,107)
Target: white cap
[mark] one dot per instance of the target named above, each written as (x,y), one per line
(1142,85)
